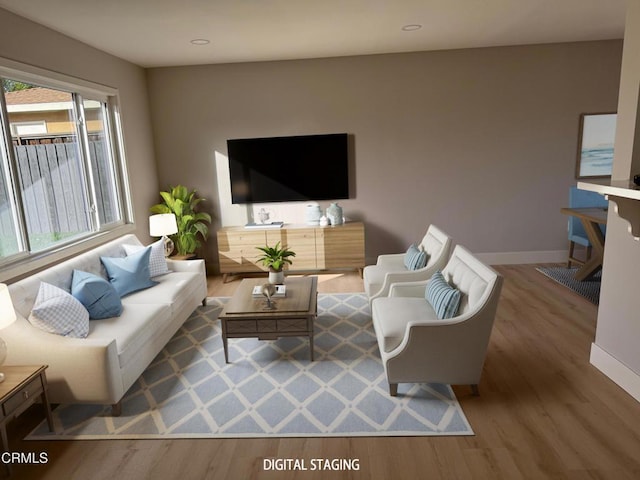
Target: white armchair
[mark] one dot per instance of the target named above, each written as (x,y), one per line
(417,347)
(391,269)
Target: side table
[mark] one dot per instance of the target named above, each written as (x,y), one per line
(22,386)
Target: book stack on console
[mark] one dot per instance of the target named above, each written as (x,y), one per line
(281,291)
(264,225)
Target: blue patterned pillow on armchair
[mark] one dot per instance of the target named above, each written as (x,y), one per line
(415,258)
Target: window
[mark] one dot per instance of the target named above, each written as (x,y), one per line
(61,172)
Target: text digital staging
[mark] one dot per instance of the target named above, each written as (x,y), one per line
(336,464)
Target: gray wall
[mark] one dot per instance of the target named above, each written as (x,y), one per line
(28,42)
(481,142)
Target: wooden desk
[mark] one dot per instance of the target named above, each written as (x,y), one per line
(591,219)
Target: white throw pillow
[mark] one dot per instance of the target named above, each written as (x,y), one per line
(56,311)
(157,260)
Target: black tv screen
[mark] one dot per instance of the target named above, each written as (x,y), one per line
(288,169)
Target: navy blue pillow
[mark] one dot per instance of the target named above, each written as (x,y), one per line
(97,295)
(129,274)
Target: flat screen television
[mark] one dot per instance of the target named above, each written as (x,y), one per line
(289,169)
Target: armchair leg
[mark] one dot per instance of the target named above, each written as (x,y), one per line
(475,390)
(393,389)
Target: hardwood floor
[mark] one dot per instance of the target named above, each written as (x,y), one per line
(543,413)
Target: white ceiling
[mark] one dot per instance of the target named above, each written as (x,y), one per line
(155,33)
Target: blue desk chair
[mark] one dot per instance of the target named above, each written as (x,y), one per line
(582,199)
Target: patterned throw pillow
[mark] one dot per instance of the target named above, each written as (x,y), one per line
(157,260)
(444,299)
(96,294)
(415,258)
(56,311)
(129,274)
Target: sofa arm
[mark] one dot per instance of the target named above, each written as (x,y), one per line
(408,289)
(83,370)
(186,266)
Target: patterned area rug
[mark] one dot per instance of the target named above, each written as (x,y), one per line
(271,388)
(589,289)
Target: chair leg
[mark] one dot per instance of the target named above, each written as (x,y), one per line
(116,409)
(393,389)
(588,254)
(475,390)
(572,246)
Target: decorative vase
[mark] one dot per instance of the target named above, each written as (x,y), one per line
(324,221)
(276,278)
(334,214)
(312,214)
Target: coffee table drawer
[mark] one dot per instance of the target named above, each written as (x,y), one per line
(267,326)
(241,326)
(299,325)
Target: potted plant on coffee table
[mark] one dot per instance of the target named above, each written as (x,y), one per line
(275,258)
(191,223)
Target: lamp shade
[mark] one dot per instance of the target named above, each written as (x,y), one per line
(7,313)
(162,224)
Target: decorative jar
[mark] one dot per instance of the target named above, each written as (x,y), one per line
(312,214)
(334,214)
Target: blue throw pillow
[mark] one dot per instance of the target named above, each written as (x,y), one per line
(415,258)
(97,295)
(444,299)
(129,274)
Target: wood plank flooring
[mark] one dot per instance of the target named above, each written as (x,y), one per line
(543,413)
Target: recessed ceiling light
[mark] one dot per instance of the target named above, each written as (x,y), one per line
(411,27)
(200,41)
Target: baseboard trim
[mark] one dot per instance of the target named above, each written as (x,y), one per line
(617,371)
(514,258)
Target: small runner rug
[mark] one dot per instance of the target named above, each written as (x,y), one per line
(589,289)
(270,388)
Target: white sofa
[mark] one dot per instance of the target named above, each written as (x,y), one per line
(103,366)
(390,268)
(417,347)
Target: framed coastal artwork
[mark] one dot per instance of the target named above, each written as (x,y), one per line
(595,145)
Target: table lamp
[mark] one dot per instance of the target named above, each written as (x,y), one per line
(162,225)
(7,317)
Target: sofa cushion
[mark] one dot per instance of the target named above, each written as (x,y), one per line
(96,294)
(132,330)
(170,288)
(129,274)
(415,258)
(392,314)
(157,260)
(444,299)
(57,311)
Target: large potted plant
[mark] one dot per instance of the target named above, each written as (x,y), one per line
(192,225)
(275,258)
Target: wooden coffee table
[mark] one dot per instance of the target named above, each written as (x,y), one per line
(247,317)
